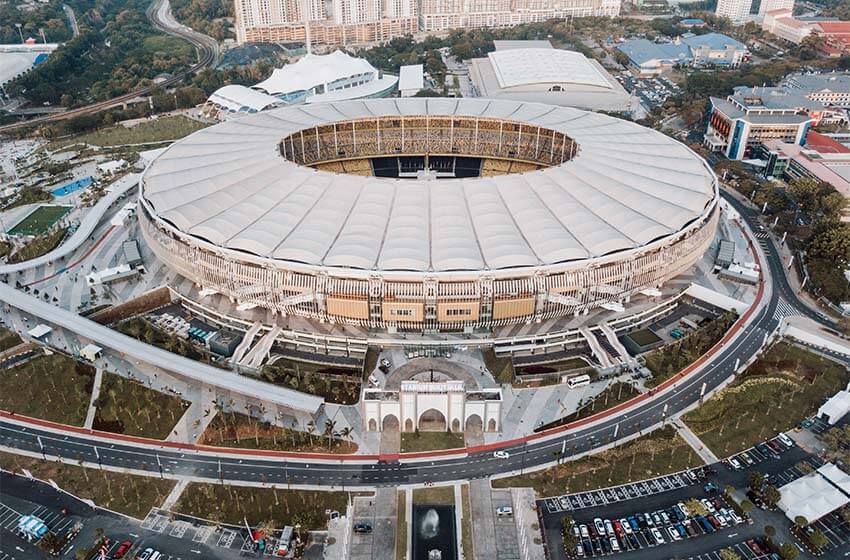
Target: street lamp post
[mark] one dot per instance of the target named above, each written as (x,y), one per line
(21,33)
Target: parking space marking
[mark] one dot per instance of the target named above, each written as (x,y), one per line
(202,534)
(226,538)
(179,529)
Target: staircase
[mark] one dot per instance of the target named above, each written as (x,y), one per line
(601,356)
(247,340)
(614,342)
(260,352)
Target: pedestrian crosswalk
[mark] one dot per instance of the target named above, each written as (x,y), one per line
(784,309)
(762,235)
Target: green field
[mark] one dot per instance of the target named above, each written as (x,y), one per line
(39,246)
(659,452)
(40,220)
(157,130)
(773,395)
(644,337)
(412,442)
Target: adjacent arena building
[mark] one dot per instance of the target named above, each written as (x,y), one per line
(428,214)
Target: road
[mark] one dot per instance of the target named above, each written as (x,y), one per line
(72,19)
(247,467)
(159,13)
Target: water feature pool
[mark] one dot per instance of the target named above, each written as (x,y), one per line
(434,529)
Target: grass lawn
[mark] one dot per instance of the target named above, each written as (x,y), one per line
(644,337)
(29,195)
(501,368)
(559,366)
(659,452)
(125,407)
(232,429)
(280,507)
(434,496)
(466,523)
(8,339)
(774,394)
(412,442)
(401,528)
(39,246)
(157,130)
(335,384)
(39,220)
(130,494)
(669,360)
(53,387)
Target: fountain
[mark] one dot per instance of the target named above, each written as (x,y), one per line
(434,535)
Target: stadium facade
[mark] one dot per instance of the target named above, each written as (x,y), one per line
(428,214)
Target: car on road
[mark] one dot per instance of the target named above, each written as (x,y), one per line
(122,550)
(504,510)
(501,454)
(362,528)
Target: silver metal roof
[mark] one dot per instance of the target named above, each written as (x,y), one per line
(628,186)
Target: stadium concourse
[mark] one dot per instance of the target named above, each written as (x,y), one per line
(428,214)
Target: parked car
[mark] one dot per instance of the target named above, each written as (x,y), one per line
(585,534)
(362,528)
(674,534)
(788,442)
(656,534)
(615,546)
(735,463)
(600,526)
(122,549)
(504,511)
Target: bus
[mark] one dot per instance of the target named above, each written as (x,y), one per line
(578,381)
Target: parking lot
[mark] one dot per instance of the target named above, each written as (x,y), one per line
(58,523)
(751,549)
(837,532)
(572,502)
(652,92)
(641,530)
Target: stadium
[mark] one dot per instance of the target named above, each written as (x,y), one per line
(428,214)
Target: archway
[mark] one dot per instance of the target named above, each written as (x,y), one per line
(408,425)
(455,425)
(432,420)
(491,425)
(474,424)
(373,425)
(390,423)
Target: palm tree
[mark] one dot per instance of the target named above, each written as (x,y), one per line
(311,429)
(347,433)
(330,426)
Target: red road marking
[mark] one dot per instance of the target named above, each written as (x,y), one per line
(422,454)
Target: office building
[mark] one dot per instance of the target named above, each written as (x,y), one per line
(736,10)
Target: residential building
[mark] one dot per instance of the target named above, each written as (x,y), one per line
(436,15)
(713,49)
(770,5)
(781,23)
(834,38)
(751,116)
(349,21)
(833,35)
(736,10)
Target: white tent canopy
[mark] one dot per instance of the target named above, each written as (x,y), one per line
(314,70)
(835,408)
(814,495)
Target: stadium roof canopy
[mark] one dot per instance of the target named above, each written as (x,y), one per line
(241,99)
(517,67)
(627,187)
(314,70)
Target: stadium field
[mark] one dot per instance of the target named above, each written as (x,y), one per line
(40,220)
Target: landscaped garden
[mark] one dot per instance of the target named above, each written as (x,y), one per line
(335,385)
(659,452)
(232,429)
(133,495)
(669,360)
(412,442)
(278,507)
(8,339)
(774,394)
(155,130)
(54,387)
(127,407)
(39,246)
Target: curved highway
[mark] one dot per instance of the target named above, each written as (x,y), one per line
(159,13)
(633,418)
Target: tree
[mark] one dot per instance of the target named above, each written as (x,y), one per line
(746,506)
(772,496)
(769,532)
(729,554)
(695,507)
(801,522)
(755,480)
(788,551)
(818,539)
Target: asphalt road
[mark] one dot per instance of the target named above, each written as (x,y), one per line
(204,464)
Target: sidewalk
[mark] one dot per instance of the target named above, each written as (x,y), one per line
(95,394)
(691,438)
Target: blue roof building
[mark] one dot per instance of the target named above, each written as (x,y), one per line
(692,22)
(651,59)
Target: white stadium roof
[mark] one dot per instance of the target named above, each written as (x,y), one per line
(238,98)
(527,66)
(313,70)
(627,187)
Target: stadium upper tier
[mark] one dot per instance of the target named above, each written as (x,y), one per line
(573,210)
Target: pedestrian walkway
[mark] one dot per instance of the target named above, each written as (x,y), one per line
(95,394)
(174,495)
(691,438)
(197,417)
